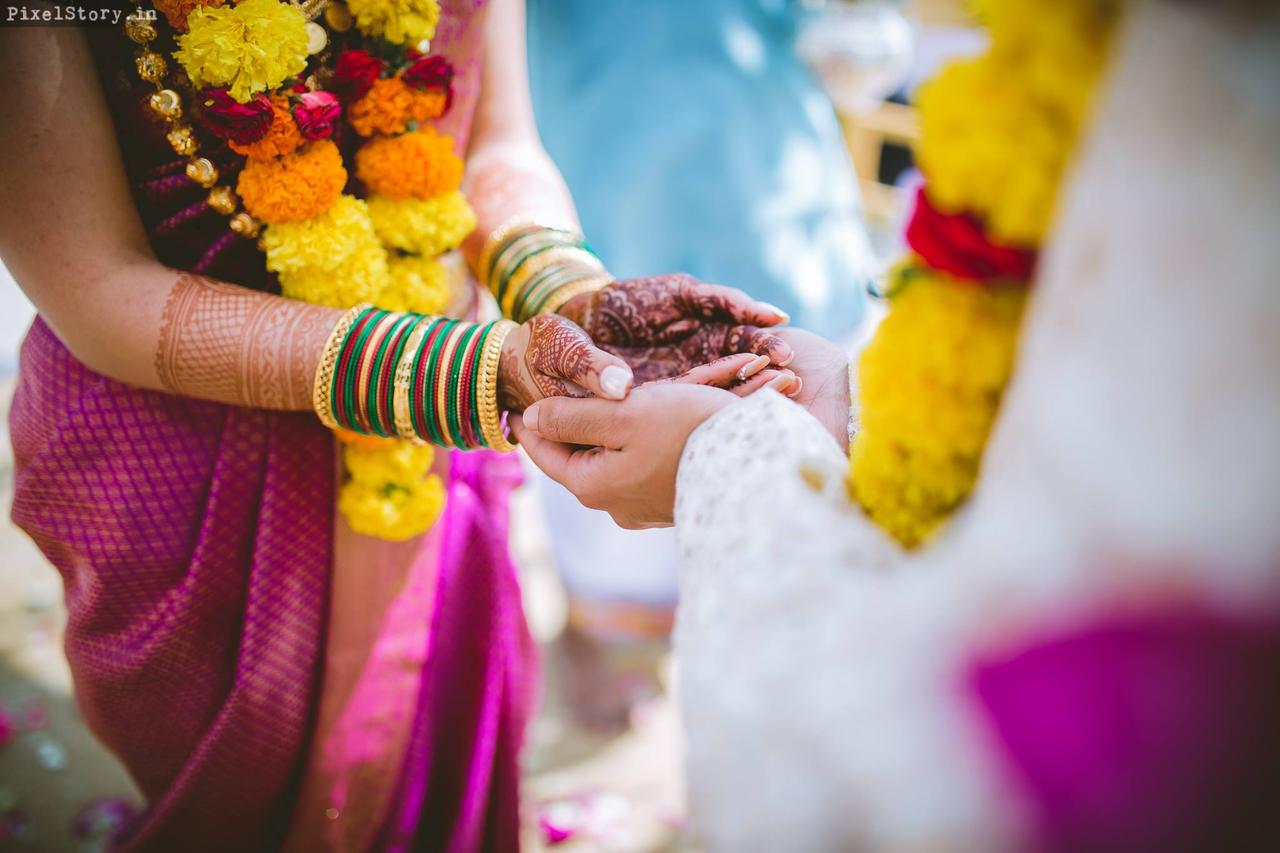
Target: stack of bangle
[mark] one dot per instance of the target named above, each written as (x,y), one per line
(532,269)
(417,377)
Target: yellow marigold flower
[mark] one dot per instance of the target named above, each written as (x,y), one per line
(322,242)
(359,278)
(423,226)
(393,512)
(176,11)
(421,164)
(294,187)
(391,494)
(415,284)
(397,21)
(929,386)
(283,137)
(250,47)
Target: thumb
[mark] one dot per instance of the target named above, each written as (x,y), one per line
(560,349)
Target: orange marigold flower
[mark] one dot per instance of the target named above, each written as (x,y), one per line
(176,11)
(294,187)
(418,165)
(283,137)
(386,108)
(427,104)
(370,442)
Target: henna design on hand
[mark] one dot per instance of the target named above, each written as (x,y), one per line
(222,342)
(663,326)
(556,359)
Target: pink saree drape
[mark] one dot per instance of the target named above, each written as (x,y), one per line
(218,640)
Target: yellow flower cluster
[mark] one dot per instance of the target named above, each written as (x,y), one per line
(997,130)
(390,495)
(397,21)
(415,284)
(929,385)
(248,48)
(423,226)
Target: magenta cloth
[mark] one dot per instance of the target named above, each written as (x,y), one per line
(1144,732)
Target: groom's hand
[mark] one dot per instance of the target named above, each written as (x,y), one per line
(665,325)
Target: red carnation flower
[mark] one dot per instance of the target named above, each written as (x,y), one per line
(315,114)
(955,243)
(226,118)
(354,73)
(431,73)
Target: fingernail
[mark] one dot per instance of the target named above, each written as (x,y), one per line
(530,418)
(614,381)
(791,356)
(753,367)
(778,383)
(794,391)
(782,316)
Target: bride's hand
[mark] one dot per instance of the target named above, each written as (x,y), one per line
(823,369)
(665,325)
(550,356)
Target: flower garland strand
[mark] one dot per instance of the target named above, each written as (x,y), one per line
(997,132)
(328,247)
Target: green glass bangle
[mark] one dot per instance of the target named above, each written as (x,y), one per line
(376,426)
(473,382)
(338,374)
(515,239)
(417,408)
(349,381)
(536,298)
(455,383)
(434,432)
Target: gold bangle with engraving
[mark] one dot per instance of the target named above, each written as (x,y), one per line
(562,295)
(400,393)
(558,255)
(322,385)
(487,388)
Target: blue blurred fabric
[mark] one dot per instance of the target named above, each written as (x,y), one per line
(694,140)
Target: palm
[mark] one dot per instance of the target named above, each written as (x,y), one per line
(665,325)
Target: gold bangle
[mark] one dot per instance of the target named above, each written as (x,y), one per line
(566,292)
(442,379)
(400,395)
(322,385)
(487,389)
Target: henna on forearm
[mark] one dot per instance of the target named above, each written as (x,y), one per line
(226,343)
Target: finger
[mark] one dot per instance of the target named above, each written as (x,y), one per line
(582,421)
(759,341)
(724,371)
(558,348)
(553,459)
(718,302)
(782,381)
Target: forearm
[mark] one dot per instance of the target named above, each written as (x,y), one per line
(153,327)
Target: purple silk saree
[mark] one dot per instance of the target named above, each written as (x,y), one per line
(217,645)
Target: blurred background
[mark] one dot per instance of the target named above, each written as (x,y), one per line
(773,137)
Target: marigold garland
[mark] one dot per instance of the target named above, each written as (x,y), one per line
(423,227)
(421,164)
(294,187)
(250,47)
(282,137)
(321,243)
(997,133)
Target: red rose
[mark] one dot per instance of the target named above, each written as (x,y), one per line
(354,73)
(226,118)
(955,243)
(431,73)
(315,114)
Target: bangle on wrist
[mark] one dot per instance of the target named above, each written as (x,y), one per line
(411,376)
